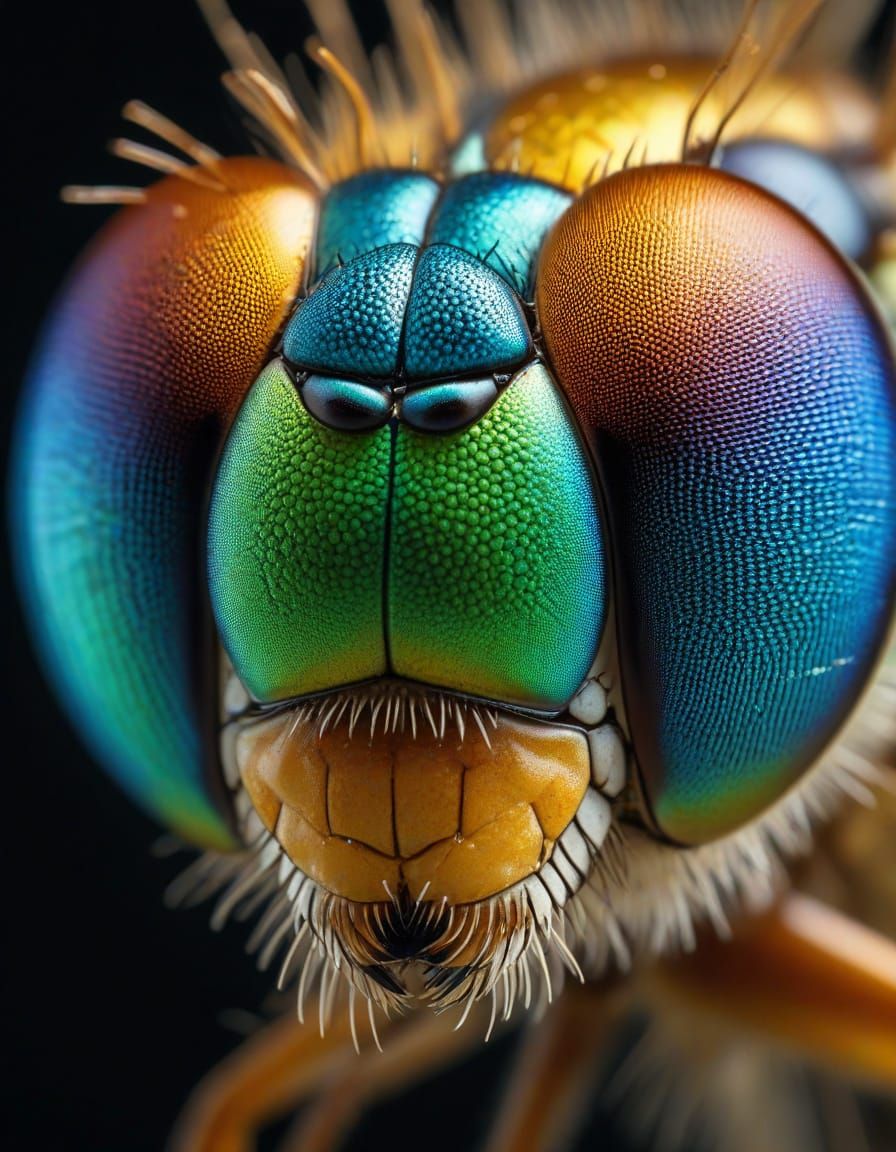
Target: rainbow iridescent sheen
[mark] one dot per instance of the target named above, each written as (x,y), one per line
(140,368)
(738,388)
(82,529)
(146,364)
(410,482)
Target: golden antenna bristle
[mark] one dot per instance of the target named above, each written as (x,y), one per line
(152,158)
(136,112)
(365,121)
(261,88)
(795,21)
(273,93)
(688,145)
(246,53)
(390,104)
(421,51)
(338,30)
(276,77)
(229,34)
(297,79)
(270,107)
(101,194)
(443,90)
(160,161)
(268,66)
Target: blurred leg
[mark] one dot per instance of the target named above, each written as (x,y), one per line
(805,976)
(547,1097)
(269,1073)
(418,1048)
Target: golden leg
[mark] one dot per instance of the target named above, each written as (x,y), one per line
(548,1094)
(418,1047)
(806,977)
(265,1076)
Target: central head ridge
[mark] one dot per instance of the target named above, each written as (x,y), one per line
(416,309)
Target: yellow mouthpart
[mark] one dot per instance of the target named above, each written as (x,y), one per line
(448,819)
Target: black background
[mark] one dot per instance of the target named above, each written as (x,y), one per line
(113,1007)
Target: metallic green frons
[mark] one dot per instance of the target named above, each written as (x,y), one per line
(496,563)
(295,546)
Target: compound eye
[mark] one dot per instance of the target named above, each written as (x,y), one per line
(739,392)
(142,367)
(345,405)
(812,183)
(448,407)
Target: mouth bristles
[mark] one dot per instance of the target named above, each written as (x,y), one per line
(394,707)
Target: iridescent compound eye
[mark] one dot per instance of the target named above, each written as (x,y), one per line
(143,365)
(737,388)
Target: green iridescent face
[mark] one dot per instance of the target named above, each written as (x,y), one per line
(404,492)
(469,560)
